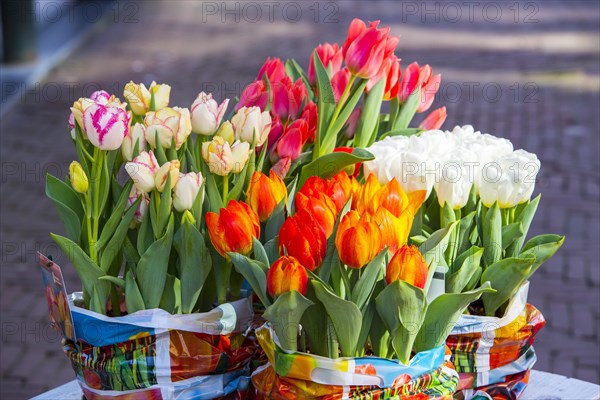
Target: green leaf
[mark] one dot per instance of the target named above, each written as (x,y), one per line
(543,247)
(67,204)
(346,318)
(442,315)
(369,115)
(275,221)
(433,250)
(325,102)
(331,255)
(114,280)
(260,254)
(284,316)
(304,77)
(152,268)
(111,225)
(105,179)
(467,264)
(506,276)
(164,208)
(236,190)
(525,217)
(255,274)
(159,151)
(373,272)
(272,249)
(212,191)
(88,272)
(170,300)
(330,164)
(510,233)
(492,235)
(401,132)
(194,264)
(145,235)
(447,215)
(401,307)
(116,242)
(465,227)
(314,323)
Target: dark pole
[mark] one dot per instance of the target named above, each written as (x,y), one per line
(18,31)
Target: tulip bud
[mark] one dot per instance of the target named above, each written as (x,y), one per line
(265,193)
(71,124)
(207,114)
(79,180)
(142,210)
(435,119)
(233,229)
(240,154)
(286,274)
(106,126)
(251,126)
(170,124)
(330,56)
(169,168)
(142,170)
(186,190)
(136,134)
(226,132)
(358,239)
(273,68)
(138,97)
(407,265)
(161,95)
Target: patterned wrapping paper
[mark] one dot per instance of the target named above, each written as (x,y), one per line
(296,375)
(494,355)
(152,354)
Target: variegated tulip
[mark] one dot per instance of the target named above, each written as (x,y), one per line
(207,114)
(170,124)
(321,207)
(142,170)
(78,108)
(136,134)
(251,125)
(233,228)
(139,97)
(170,168)
(358,239)
(106,126)
(286,274)
(265,193)
(226,132)
(407,265)
(187,190)
(79,180)
(222,158)
(240,154)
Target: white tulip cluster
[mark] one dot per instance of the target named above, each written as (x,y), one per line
(453,162)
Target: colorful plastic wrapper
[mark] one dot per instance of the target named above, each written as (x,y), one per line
(494,355)
(152,354)
(296,375)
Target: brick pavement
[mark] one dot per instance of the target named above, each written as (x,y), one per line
(534,76)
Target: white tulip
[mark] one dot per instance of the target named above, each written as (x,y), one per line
(455,178)
(207,114)
(142,170)
(251,126)
(510,180)
(187,190)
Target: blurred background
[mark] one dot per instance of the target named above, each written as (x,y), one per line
(528,71)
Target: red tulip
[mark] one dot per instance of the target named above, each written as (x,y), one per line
(435,119)
(286,274)
(254,95)
(339,82)
(409,266)
(352,170)
(365,48)
(291,142)
(287,98)
(302,237)
(338,188)
(415,77)
(330,55)
(232,230)
(273,68)
(310,115)
(321,207)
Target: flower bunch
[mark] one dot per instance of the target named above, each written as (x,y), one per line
(481,191)
(343,259)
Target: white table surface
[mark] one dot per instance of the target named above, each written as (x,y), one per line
(542,386)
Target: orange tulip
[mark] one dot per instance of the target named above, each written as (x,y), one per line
(358,239)
(302,237)
(409,266)
(286,274)
(265,193)
(232,230)
(391,196)
(394,230)
(338,188)
(321,207)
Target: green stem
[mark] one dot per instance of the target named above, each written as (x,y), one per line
(225,188)
(512,214)
(342,102)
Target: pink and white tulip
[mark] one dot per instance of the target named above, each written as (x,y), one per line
(251,125)
(136,134)
(169,168)
(142,170)
(106,126)
(207,114)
